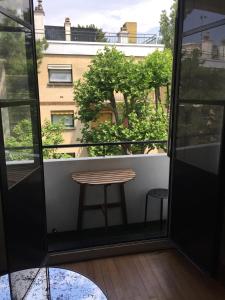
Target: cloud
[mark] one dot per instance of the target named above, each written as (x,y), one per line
(107,14)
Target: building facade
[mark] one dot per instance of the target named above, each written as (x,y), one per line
(69,53)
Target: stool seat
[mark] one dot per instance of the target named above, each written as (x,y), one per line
(104,178)
(158,193)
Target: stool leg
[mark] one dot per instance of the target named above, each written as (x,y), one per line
(80,207)
(123,204)
(106,206)
(146,209)
(161,215)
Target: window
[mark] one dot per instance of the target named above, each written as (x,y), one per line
(66,117)
(60,73)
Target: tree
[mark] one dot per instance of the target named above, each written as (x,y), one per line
(100,35)
(135,118)
(160,65)
(148,124)
(17,60)
(41,46)
(21,136)
(167,26)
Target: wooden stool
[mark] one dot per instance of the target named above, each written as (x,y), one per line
(160,194)
(105,178)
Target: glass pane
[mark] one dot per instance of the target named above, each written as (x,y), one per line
(21,282)
(19,141)
(39,288)
(67,120)
(16,62)
(4,288)
(199,13)
(3,259)
(203,57)
(199,136)
(60,76)
(19,8)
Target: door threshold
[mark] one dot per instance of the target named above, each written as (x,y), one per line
(57,258)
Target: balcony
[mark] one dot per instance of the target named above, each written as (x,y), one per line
(62,195)
(57,33)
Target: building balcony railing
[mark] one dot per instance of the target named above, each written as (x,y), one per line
(108,37)
(120,145)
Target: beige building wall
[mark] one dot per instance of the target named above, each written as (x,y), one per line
(59,97)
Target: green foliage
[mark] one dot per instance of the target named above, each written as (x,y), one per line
(167,26)
(159,64)
(104,77)
(136,118)
(12,49)
(21,136)
(17,60)
(147,125)
(41,46)
(52,135)
(100,35)
(158,67)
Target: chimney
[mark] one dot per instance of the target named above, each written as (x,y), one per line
(207,46)
(67,26)
(39,21)
(123,35)
(132,32)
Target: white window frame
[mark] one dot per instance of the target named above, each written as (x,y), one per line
(60,68)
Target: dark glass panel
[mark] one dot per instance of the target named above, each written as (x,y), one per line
(19,8)
(19,131)
(3,260)
(199,136)
(16,62)
(202,12)
(203,66)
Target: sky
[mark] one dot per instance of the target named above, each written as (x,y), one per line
(107,14)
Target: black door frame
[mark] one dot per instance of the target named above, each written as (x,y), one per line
(173,132)
(37,146)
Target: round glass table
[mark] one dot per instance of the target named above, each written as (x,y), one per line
(48,284)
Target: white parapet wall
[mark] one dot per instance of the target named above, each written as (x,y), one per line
(91,48)
(62,193)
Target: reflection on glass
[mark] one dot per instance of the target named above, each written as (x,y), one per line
(19,8)
(4,287)
(48,283)
(19,142)
(16,62)
(203,57)
(199,135)
(200,13)
(21,282)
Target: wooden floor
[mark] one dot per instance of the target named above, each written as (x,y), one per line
(165,275)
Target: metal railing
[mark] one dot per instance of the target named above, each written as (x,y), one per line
(106,37)
(85,145)
(114,148)
(104,145)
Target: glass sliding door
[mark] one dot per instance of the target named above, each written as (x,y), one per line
(198,131)
(21,165)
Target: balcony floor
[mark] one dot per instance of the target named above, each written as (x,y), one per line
(164,275)
(99,236)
